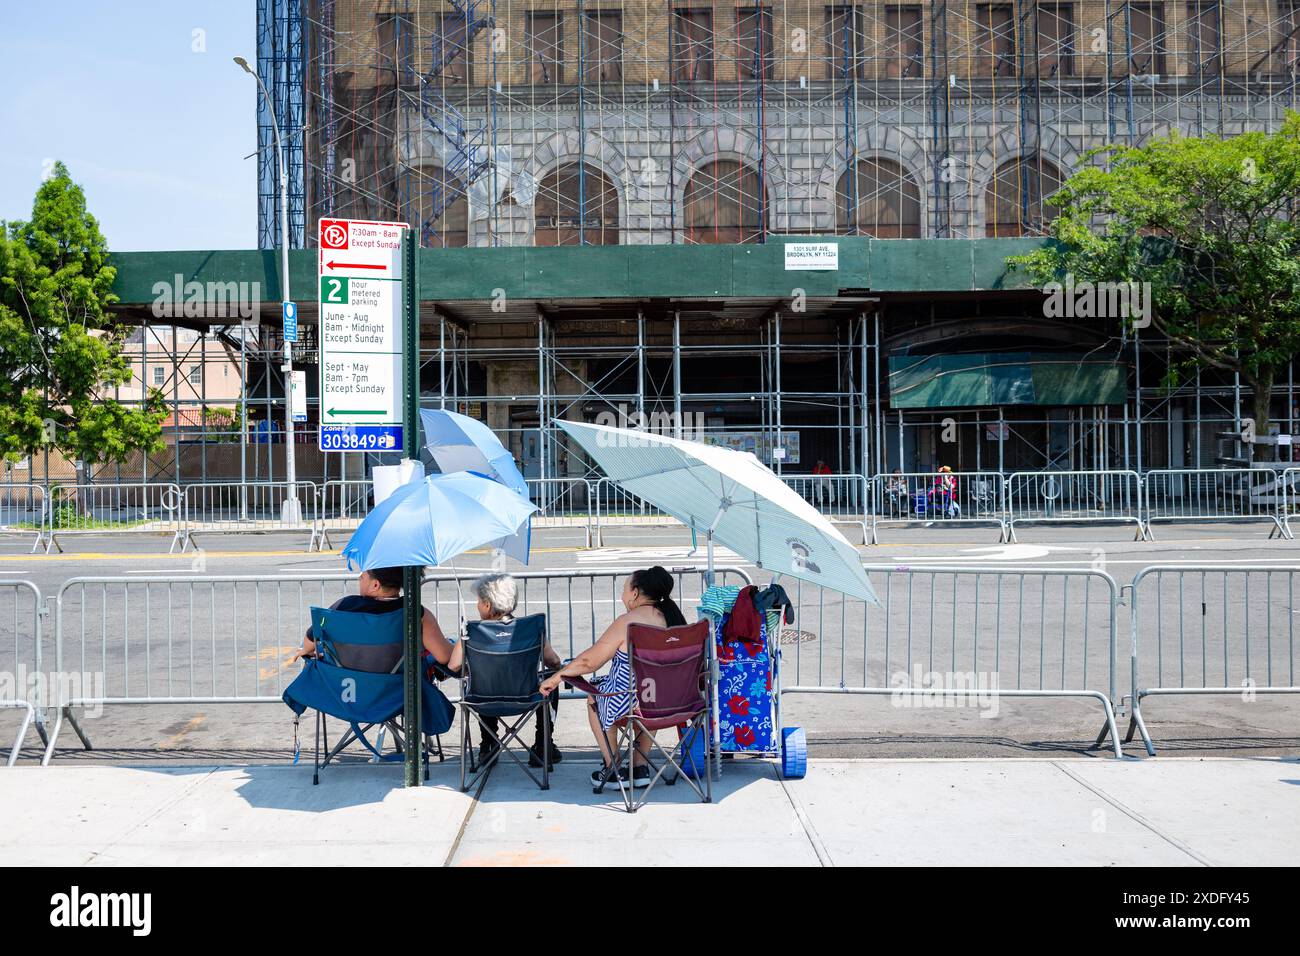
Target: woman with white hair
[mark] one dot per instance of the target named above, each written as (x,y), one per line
(498,596)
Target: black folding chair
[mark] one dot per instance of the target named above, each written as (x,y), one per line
(499,678)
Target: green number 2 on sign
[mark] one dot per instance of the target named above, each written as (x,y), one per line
(334,290)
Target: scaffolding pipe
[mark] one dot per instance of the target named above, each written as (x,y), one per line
(677,373)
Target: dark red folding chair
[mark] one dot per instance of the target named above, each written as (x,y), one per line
(672,686)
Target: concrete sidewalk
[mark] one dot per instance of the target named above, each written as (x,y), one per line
(1168,811)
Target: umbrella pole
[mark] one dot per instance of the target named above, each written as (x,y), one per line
(708,544)
(717,724)
(413,660)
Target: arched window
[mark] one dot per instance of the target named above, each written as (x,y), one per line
(1013,203)
(881,200)
(576,205)
(438,210)
(723,202)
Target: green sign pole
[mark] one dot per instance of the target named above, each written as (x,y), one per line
(414,610)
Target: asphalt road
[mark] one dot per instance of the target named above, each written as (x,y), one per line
(1025,632)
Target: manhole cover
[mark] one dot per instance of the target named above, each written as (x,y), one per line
(789,636)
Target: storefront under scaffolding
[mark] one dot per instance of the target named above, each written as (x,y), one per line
(851,375)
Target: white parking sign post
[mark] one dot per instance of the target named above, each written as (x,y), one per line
(361,282)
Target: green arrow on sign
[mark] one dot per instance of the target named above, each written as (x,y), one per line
(358,411)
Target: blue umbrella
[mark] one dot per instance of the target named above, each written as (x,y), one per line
(460,443)
(430,521)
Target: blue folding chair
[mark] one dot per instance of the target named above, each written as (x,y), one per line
(500,678)
(356,677)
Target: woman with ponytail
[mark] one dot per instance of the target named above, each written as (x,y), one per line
(647,599)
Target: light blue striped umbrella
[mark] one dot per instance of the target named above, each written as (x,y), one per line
(460,443)
(732,498)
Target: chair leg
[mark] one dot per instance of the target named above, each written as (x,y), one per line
(708,776)
(629,791)
(546,745)
(464,743)
(315,769)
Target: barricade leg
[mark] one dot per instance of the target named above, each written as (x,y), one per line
(81,734)
(1109,729)
(64,713)
(1137,723)
(28,712)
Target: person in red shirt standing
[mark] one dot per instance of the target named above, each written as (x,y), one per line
(823,488)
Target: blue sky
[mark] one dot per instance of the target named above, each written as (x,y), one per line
(154,130)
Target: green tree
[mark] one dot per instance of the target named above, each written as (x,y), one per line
(60,347)
(224,425)
(1213,224)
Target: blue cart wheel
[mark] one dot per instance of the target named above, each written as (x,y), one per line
(693,757)
(794,753)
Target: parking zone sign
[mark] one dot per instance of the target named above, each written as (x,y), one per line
(361,281)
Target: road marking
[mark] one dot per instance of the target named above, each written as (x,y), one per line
(175,739)
(189,556)
(1100,561)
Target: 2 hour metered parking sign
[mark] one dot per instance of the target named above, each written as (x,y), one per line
(361,278)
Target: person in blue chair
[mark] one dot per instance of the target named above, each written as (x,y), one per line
(647,600)
(498,596)
(379,591)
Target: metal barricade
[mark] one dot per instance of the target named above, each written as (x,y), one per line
(1290,506)
(1218,494)
(912,499)
(233,639)
(1191,635)
(564,503)
(23,681)
(841,498)
(962,635)
(1074,496)
(342,505)
(579,604)
(254,508)
(170,640)
(114,508)
(618,508)
(23,511)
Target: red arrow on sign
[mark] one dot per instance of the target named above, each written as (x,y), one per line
(353,265)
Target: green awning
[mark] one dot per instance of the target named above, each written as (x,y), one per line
(1005,378)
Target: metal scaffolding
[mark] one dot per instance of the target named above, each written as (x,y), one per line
(567,122)
(513,122)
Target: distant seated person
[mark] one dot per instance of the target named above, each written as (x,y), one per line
(498,596)
(379,591)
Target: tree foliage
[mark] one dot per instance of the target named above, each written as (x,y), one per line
(60,349)
(1213,224)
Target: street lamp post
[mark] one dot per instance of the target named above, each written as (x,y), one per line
(290,512)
